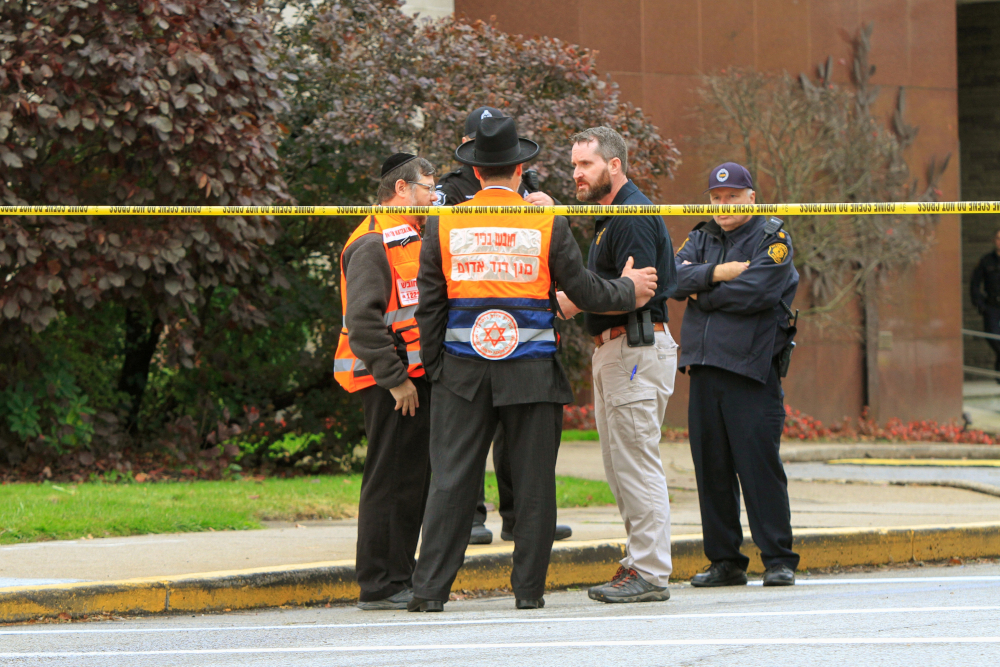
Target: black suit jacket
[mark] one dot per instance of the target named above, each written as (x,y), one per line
(513,382)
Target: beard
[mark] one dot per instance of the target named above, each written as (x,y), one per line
(597,191)
(418,220)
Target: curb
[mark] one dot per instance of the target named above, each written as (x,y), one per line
(574,564)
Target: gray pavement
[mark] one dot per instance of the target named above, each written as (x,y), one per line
(814,505)
(931,615)
(984,475)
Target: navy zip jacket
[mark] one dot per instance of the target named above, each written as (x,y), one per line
(738,325)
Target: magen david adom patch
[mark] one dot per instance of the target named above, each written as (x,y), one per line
(494,335)
(778,252)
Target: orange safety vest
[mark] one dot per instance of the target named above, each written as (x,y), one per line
(497,269)
(402,247)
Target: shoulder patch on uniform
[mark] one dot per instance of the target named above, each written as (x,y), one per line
(773,225)
(682,245)
(599,235)
(778,252)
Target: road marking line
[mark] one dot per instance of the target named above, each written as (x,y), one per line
(886,580)
(796,641)
(507,621)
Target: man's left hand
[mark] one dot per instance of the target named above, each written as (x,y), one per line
(407,399)
(539,199)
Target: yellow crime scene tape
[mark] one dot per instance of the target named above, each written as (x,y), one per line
(878,208)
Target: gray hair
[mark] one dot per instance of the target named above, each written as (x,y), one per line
(409,172)
(610,144)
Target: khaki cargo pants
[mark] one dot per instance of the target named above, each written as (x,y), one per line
(629,414)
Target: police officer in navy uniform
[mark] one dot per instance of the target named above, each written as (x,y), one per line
(986,277)
(737,275)
(453,188)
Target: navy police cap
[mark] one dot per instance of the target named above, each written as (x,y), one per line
(730,175)
(476,117)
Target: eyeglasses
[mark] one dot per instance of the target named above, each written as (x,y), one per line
(436,197)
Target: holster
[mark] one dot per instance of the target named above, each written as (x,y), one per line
(785,359)
(785,356)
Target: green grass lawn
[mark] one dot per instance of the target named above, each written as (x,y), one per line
(572,435)
(670,434)
(36,512)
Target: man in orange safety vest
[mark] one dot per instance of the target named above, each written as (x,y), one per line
(378,356)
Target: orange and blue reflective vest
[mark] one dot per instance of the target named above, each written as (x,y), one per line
(402,247)
(497,270)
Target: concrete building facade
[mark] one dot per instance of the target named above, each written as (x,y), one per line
(657,50)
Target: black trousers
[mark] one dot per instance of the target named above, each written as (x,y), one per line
(393,491)
(735,425)
(460,440)
(991,324)
(505,487)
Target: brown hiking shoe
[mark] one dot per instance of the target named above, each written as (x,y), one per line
(630,587)
(618,575)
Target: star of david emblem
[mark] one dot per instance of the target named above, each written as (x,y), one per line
(494,333)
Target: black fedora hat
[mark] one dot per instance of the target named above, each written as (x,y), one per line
(496,145)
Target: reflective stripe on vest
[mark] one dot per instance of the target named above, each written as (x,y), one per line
(402,248)
(394,316)
(357,367)
(498,281)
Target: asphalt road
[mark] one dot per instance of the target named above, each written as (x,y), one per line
(933,615)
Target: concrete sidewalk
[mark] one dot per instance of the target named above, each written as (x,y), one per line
(815,505)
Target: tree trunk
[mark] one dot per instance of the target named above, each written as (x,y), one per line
(141,340)
(871,342)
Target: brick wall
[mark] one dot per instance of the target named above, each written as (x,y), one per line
(656,50)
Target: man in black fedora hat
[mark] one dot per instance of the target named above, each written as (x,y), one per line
(453,188)
(489,347)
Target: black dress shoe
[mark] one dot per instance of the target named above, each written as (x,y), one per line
(562,532)
(779,575)
(722,573)
(480,534)
(537,603)
(420,604)
(396,601)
